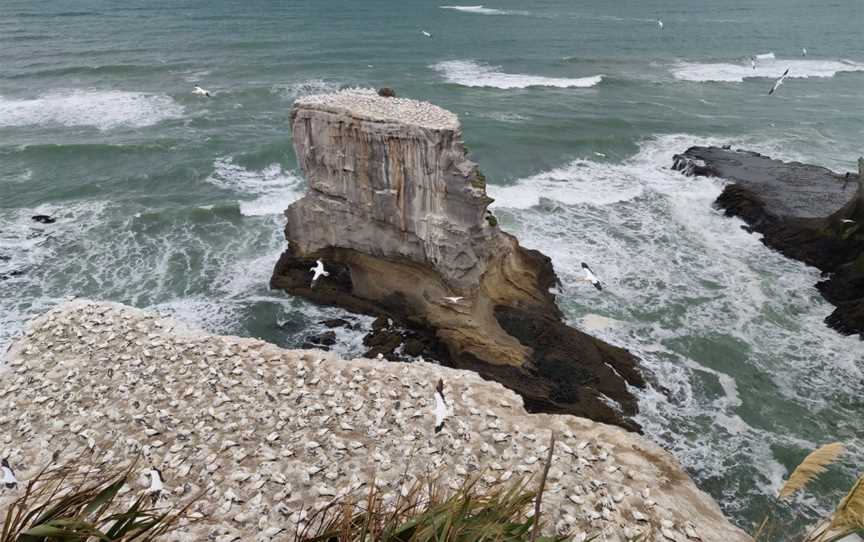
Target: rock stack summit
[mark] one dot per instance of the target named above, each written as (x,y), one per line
(398,215)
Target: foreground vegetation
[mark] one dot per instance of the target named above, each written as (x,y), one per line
(75,502)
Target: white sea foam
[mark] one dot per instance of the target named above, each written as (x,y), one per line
(469,73)
(102,109)
(480,10)
(272,187)
(769,67)
(766,56)
(705,306)
(304,88)
(580,182)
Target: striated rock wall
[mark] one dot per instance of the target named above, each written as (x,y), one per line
(266,433)
(390,185)
(396,212)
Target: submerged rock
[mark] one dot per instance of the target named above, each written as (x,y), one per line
(398,214)
(806,212)
(43,219)
(263,434)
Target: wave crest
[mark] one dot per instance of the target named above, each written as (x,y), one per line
(767,67)
(474,74)
(102,109)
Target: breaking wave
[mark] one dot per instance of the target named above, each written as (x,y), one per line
(102,109)
(767,66)
(272,187)
(474,74)
(480,10)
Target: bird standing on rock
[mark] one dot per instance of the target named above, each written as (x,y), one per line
(156,484)
(442,409)
(9,479)
(318,271)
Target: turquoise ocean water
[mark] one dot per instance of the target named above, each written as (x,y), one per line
(172,202)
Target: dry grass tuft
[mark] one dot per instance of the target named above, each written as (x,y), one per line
(812,466)
(850,512)
(78,502)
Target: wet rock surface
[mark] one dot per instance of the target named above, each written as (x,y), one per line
(267,433)
(398,214)
(806,212)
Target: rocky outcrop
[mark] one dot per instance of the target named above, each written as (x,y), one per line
(398,214)
(806,212)
(265,433)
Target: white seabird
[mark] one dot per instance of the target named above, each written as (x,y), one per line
(803,51)
(198,91)
(753,62)
(442,409)
(9,479)
(590,276)
(157,487)
(454,299)
(778,82)
(847,221)
(660,24)
(427,34)
(600,154)
(318,271)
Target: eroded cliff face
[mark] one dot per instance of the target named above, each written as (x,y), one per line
(396,212)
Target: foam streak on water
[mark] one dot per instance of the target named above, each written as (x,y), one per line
(688,291)
(102,109)
(469,73)
(273,188)
(767,67)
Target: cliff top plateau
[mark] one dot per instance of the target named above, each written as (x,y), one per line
(267,432)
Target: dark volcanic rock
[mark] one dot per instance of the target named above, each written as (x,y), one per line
(386,92)
(43,219)
(806,212)
(398,215)
(328,338)
(336,322)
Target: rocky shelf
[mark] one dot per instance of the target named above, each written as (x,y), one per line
(267,433)
(806,212)
(398,216)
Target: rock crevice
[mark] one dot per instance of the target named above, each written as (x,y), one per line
(398,214)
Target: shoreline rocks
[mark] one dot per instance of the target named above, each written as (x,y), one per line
(266,433)
(805,212)
(398,215)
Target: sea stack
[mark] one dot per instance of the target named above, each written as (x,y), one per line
(398,214)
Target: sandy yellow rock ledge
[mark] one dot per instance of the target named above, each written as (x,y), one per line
(269,431)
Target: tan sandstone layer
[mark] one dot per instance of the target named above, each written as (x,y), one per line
(397,213)
(268,432)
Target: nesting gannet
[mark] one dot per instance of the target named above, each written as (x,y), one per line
(590,276)
(660,24)
(198,91)
(442,409)
(318,271)
(156,485)
(454,299)
(427,34)
(9,479)
(778,82)
(380,355)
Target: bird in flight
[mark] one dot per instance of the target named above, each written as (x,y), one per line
(803,51)
(589,276)
(454,299)
(660,24)
(753,62)
(318,271)
(198,91)
(778,82)
(427,34)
